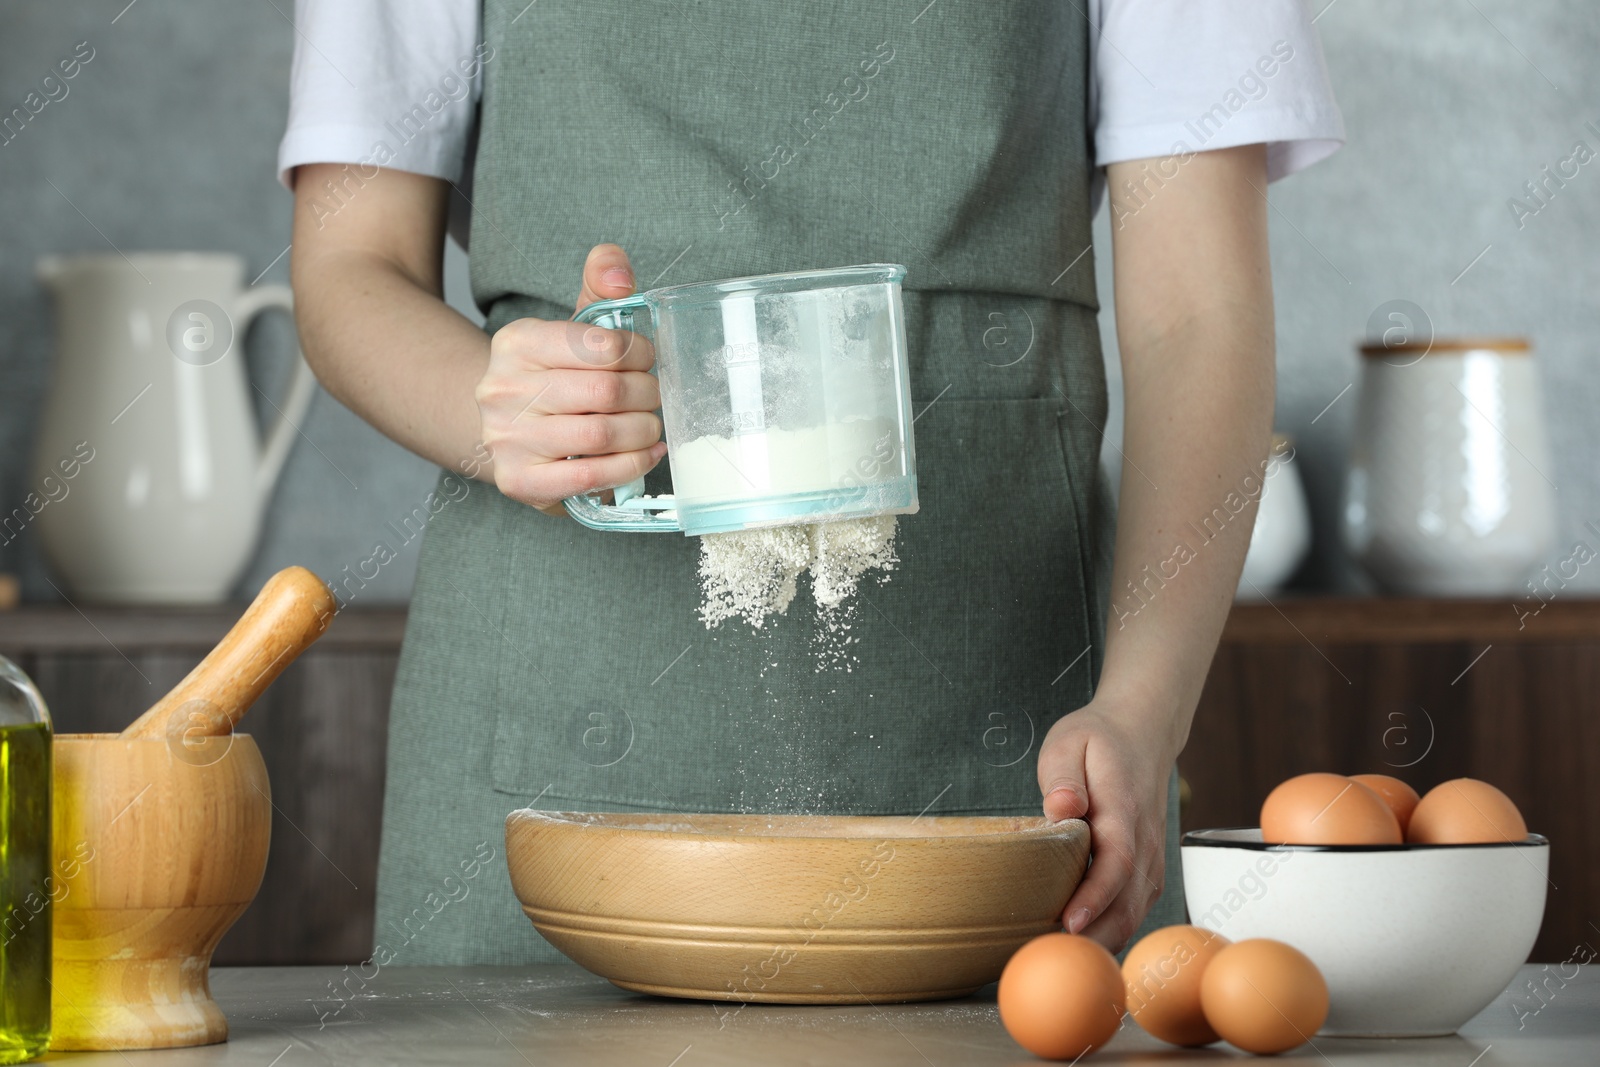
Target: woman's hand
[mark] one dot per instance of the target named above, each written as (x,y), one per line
(560,389)
(1099,764)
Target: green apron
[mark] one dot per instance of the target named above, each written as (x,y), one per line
(550,665)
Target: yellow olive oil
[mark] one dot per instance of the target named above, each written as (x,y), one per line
(25,891)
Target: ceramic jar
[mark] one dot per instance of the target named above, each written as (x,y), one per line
(1449,491)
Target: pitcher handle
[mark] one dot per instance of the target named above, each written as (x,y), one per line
(279,439)
(632,512)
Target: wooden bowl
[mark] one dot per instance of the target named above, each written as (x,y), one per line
(158,846)
(793,909)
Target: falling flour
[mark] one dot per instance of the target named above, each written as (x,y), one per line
(753,574)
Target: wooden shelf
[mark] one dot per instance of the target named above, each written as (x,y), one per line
(1325,620)
(1398,620)
(54,628)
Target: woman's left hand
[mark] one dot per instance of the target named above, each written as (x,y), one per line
(1097,764)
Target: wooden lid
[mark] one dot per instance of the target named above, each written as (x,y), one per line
(1450,346)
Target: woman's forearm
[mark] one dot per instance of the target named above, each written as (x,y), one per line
(1198,432)
(1195,329)
(373,322)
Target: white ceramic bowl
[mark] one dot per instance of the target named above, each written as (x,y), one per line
(1413,940)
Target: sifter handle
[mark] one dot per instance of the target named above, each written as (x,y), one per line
(588,508)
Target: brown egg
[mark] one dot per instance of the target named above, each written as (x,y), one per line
(1327,809)
(1401,798)
(1162,974)
(1463,812)
(1264,996)
(1061,996)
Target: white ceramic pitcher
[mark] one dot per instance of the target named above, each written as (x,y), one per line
(150,382)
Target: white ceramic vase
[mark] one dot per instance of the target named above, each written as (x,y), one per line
(1448,491)
(1282,534)
(150,474)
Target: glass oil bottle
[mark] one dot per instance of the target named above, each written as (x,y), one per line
(26,888)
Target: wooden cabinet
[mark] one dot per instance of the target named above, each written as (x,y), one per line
(1424,690)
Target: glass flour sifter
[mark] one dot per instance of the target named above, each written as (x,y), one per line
(785,398)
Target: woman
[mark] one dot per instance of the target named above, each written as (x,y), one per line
(621,146)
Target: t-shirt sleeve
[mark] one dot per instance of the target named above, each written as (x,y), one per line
(1175,76)
(384,84)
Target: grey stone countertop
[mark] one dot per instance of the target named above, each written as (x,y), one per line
(554,1014)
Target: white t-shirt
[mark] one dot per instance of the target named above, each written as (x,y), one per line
(1169,76)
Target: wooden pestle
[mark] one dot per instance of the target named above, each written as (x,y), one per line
(291,611)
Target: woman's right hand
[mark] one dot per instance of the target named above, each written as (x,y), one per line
(559,389)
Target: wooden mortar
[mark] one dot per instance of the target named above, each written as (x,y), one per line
(160,837)
(168,853)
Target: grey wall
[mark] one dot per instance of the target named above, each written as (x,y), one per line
(167,139)
(1446,119)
